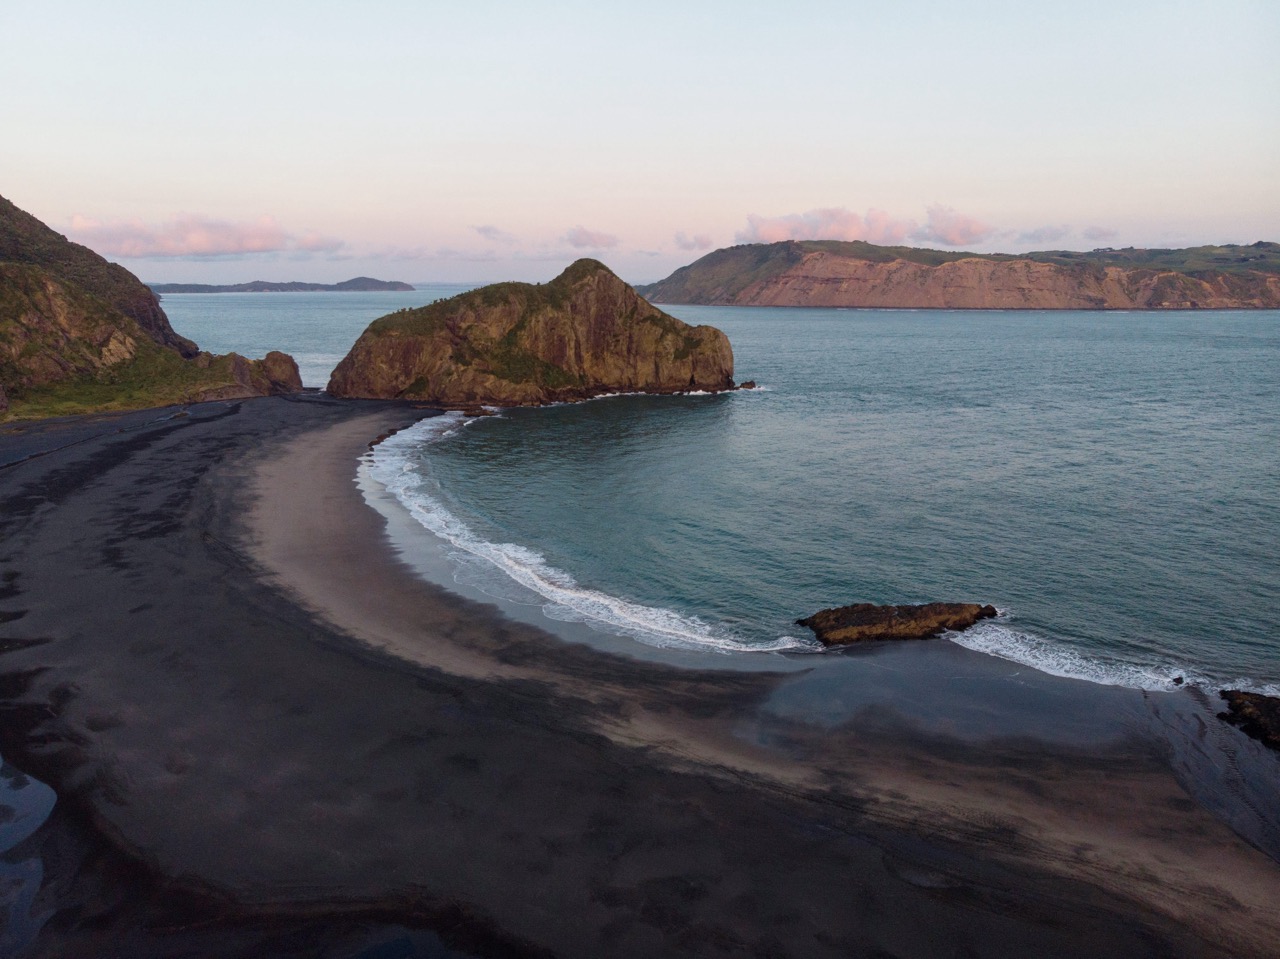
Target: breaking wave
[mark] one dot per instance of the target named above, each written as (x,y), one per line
(396,465)
(998,638)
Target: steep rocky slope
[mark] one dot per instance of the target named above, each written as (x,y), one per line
(862,275)
(24,239)
(584,333)
(78,333)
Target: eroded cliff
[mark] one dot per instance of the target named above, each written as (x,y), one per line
(583,334)
(836,274)
(78,334)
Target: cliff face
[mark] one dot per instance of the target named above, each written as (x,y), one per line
(24,239)
(583,334)
(860,275)
(79,334)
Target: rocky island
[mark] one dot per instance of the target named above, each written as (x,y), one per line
(834,273)
(1256,714)
(79,334)
(583,334)
(360,284)
(866,622)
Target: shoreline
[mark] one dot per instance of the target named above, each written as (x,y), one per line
(225,617)
(427,552)
(371,620)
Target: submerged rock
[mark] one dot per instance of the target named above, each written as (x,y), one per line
(1256,715)
(865,622)
(584,334)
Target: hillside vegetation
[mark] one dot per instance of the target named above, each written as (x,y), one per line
(584,333)
(79,334)
(839,273)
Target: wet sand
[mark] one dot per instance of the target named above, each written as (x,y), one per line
(267,735)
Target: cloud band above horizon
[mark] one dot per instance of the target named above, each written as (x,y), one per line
(195,236)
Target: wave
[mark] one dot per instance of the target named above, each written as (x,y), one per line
(393,464)
(396,464)
(998,638)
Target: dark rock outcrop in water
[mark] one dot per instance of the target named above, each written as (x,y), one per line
(832,273)
(865,622)
(1255,714)
(584,334)
(79,334)
(360,284)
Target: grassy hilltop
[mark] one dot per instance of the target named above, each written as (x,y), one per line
(1229,275)
(79,334)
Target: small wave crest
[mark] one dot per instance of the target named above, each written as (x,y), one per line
(998,638)
(393,464)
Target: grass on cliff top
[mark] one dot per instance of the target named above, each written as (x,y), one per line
(1258,257)
(531,298)
(722,274)
(154,377)
(506,358)
(24,239)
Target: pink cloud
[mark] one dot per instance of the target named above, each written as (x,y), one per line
(313,242)
(944,225)
(699,241)
(583,239)
(1100,233)
(830,223)
(194,235)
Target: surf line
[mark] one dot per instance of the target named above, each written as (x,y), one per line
(397,465)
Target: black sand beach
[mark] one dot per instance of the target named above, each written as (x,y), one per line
(268,737)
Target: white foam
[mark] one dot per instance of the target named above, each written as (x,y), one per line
(395,464)
(998,638)
(392,464)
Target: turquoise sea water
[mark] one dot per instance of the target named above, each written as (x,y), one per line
(316,329)
(1110,481)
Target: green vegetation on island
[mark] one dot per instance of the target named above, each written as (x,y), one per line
(584,333)
(806,272)
(359,284)
(79,334)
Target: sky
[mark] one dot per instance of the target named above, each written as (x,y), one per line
(431,141)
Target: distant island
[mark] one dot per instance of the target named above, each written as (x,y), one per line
(834,273)
(361,284)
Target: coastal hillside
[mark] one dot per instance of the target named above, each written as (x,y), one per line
(856,274)
(583,334)
(79,334)
(359,284)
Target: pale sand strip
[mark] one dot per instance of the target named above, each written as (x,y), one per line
(1124,827)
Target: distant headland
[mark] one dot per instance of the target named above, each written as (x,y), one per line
(360,284)
(835,273)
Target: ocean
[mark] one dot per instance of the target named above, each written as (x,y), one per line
(1109,481)
(316,329)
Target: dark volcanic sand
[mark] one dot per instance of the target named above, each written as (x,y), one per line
(268,738)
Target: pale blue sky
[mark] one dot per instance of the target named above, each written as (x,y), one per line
(500,140)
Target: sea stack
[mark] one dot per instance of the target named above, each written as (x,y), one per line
(866,622)
(584,334)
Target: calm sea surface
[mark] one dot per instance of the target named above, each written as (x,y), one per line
(316,329)
(1110,481)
